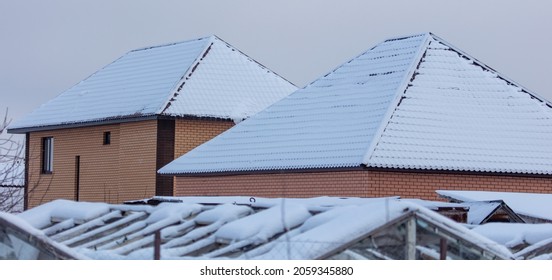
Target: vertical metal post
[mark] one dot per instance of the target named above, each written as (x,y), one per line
(443,249)
(157,245)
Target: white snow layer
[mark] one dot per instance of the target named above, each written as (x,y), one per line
(28,252)
(264,224)
(512,235)
(42,216)
(318,238)
(287,229)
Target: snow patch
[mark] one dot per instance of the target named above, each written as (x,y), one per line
(42,216)
(512,235)
(265,224)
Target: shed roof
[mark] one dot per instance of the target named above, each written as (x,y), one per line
(412,102)
(205,77)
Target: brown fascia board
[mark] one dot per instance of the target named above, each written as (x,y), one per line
(355,168)
(108,121)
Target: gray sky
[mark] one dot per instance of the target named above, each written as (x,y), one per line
(48,46)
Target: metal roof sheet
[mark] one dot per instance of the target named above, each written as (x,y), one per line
(412,102)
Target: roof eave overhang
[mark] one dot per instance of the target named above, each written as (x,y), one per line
(22,130)
(267,171)
(354,168)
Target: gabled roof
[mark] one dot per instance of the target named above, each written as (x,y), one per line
(205,77)
(242,228)
(413,102)
(531,206)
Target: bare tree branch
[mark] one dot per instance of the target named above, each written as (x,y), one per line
(12,169)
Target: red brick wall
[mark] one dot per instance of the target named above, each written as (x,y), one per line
(355,183)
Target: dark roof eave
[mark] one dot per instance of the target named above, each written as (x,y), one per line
(125,119)
(355,168)
(271,171)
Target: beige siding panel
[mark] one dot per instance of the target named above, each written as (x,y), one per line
(138,160)
(123,170)
(98,165)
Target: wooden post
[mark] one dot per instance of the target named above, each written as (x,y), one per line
(157,245)
(443,249)
(411,239)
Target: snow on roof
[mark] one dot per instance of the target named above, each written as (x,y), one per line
(527,204)
(230,227)
(538,250)
(478,212)
(20,240)
(514,235)
(205,77)
(413,102)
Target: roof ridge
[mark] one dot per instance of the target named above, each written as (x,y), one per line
(490,69)
(173,43)
(399,94)
(363,53)
(212,41)
(173,94)
(252,59)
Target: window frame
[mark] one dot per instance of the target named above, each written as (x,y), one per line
(47,159)
(107,138)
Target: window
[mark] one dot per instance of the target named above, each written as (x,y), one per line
(47,154)
(107,138)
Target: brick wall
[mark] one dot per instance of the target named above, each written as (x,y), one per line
(191,133)
(356,183)
(124,170)
(103,176)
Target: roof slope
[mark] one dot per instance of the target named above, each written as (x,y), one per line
(412,102)
(205,77)
(329,123)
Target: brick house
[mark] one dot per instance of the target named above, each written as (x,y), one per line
(104,138)
(407,117)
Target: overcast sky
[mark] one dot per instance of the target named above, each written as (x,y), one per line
(48,46)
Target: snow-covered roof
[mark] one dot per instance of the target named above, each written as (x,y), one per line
(234,227)
(205,77)
(517,237)
(535,205)
(477,212)
(413,102)
(21,241)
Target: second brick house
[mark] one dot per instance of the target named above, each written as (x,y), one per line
(104,138)
(407,117)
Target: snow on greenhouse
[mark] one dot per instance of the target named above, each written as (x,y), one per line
(260,228)
(532,207)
